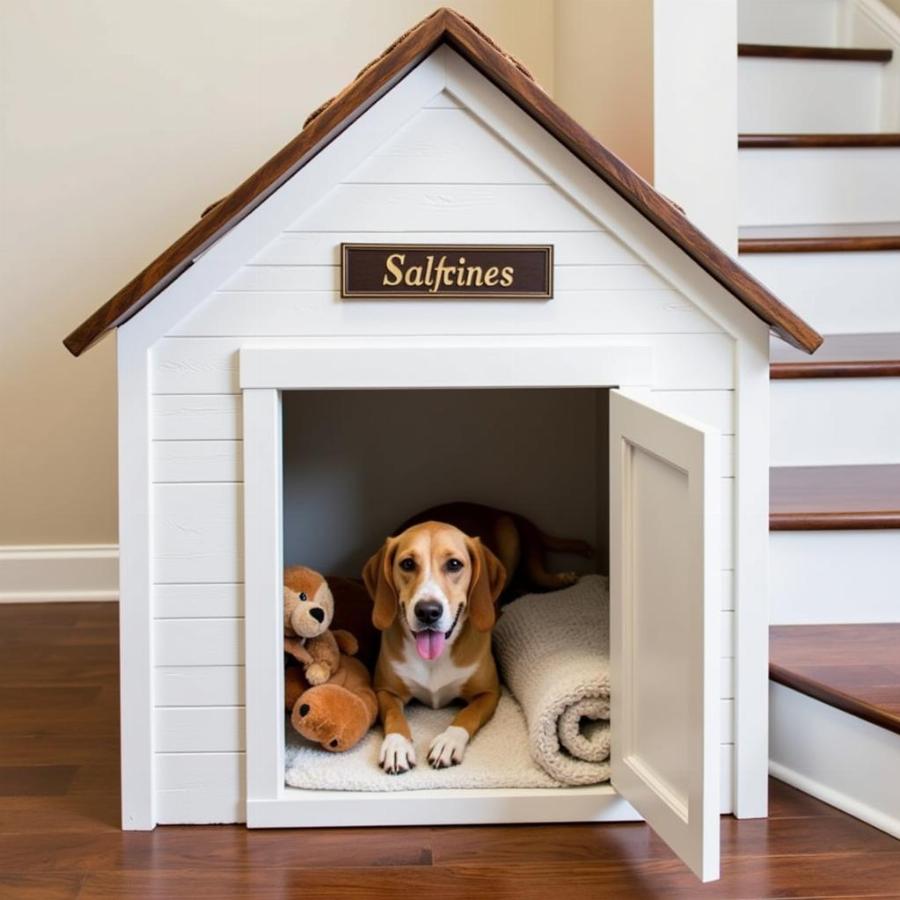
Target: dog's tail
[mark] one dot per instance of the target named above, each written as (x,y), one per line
(535,544)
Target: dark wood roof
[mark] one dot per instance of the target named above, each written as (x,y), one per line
(442,26)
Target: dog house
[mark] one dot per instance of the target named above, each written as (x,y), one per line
(295,377)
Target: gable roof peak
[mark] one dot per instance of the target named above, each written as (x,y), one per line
(444,25)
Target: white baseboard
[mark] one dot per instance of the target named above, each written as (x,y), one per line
(59,572)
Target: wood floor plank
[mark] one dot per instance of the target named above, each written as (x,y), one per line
(93,634)
(14,699)
(61,719)
(35,781)
(58,670)
(636,842)
(786,802)
(42,747)
(99,776)
(28,616)
(40,816)
(30,886)
(833,875)
(225,848)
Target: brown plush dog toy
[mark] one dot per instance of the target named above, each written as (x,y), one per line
(329,695)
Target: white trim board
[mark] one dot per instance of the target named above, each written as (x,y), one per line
(333,809)
(59,572)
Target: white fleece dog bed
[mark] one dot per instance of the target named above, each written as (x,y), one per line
(497,757)
(553,654)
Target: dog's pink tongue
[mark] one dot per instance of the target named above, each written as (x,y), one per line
(430,644)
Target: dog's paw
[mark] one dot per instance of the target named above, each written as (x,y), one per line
(448,748)
(567,579)
(317,673)
(397,754)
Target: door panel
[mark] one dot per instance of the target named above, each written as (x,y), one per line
(665,583)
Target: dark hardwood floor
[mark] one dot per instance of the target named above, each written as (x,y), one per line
(60,837)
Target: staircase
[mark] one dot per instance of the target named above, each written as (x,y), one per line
(819,209)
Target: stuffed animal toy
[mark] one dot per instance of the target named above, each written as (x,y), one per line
(329,694)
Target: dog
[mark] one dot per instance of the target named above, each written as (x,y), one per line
(434,590)
(516,541)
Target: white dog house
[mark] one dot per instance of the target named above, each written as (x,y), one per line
(278,399)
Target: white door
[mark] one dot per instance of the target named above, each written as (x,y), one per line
(665,574)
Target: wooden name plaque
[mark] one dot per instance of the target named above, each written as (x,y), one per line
(401,271)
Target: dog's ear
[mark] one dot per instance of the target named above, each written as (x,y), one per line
(379,581)
(488,578)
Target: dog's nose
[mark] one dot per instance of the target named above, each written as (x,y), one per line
(428,611)
(318,614)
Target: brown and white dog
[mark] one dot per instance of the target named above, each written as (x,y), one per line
(434,590)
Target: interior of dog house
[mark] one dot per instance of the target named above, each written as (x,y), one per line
(443,466)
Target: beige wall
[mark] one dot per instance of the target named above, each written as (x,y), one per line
(894,5)
(604,73)
(121,121)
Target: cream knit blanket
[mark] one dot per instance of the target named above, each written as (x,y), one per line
(497,757)
(553,653)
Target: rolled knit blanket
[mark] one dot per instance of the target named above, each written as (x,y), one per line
(553,653)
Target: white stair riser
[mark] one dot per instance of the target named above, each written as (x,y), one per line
(810,22)
(817,187)
(808,96)
(837,293)
(827,577)
(839,758)
(835,421)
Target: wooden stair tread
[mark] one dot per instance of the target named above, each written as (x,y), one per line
(815,498)
(853,238)
(818,141)
(840,356)
(855,668)
(796,51)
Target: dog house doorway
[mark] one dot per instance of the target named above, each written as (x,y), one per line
(664,652)
(358,463)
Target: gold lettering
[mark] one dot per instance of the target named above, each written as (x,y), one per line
(435,274)
(442,274)
(461,273)
(394,269)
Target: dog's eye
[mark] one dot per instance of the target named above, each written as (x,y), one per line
(302,596)
(454,565)
(408,564)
